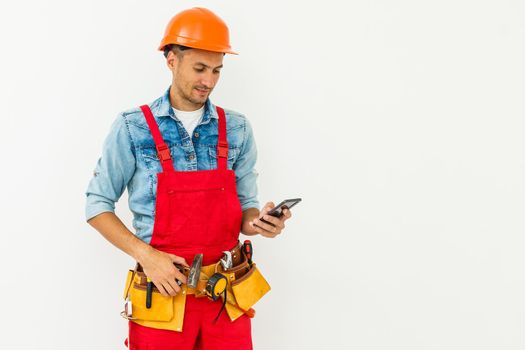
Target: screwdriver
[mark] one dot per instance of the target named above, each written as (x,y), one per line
(149,291)
(248,250)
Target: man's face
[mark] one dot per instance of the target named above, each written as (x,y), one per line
(195,75)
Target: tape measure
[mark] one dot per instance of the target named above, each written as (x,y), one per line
(216,285)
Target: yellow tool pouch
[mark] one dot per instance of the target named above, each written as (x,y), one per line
(161,306)
(246,287)
(166,312)
(250,288)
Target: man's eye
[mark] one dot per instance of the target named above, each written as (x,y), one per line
(200,70)
(216,71)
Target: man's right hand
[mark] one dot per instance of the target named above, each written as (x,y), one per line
(160,269)
(157,265)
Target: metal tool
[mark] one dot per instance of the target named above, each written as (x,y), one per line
(128,311)
(195,271)
(226,260)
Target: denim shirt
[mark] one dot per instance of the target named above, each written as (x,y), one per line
(129,159)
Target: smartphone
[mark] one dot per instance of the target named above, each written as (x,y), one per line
(277,211)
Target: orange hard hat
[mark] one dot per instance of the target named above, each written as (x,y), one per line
(198,28)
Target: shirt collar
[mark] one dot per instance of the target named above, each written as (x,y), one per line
(163,108)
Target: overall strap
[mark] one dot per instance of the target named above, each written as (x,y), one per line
(222,144)
(163,151)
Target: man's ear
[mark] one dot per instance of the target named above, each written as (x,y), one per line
(172,60)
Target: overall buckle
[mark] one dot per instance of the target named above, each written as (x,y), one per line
(163,152)
(222,149)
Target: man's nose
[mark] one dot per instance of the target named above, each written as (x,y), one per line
(208,80)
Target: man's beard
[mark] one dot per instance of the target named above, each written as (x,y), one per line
(188,97)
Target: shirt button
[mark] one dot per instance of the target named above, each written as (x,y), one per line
(191,157)
(196,134)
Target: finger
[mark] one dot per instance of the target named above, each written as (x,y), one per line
(265,226)
(180,276)
(255,227)
(273,220)
(252,224)
(178,260)
(270,232)
(265,233)
(287,214)
(267,207)
(161,289)
(171,287)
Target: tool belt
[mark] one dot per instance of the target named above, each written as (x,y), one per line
(245,286)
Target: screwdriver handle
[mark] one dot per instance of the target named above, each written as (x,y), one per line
(248,250)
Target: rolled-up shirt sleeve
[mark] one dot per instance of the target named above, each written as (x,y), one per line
(245,173)
(113,170)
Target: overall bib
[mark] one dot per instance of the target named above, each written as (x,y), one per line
(195,212)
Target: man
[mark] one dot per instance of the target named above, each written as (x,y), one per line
(189,169)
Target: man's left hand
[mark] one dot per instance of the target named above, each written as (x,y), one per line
(277,224)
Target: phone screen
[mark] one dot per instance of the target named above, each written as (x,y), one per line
(287,203)
(277,211)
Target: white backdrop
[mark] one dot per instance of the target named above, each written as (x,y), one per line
(399,123)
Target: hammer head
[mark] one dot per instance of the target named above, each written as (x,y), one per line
(195,271)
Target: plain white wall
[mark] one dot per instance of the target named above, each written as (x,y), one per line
(399,123)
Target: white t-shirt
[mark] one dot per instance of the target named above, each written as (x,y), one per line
(190,119)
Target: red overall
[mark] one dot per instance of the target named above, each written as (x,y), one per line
(195,212)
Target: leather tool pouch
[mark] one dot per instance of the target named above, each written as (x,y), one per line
(238,271)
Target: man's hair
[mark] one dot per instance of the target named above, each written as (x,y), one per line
(177,49)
